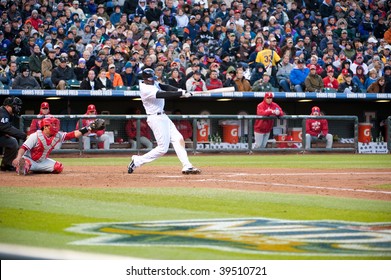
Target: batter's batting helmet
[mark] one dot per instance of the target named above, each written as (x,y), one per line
(15,103)
(53,123)
(148,75)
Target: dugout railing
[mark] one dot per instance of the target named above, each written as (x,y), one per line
(214,140)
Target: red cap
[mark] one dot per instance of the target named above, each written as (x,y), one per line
(91,108)
(268,95)
(315,109)
(313,67)
(44,105)
(345,71)
(237,11)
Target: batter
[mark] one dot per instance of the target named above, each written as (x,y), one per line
(153,95)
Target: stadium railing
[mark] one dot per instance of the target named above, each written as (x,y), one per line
(222,133)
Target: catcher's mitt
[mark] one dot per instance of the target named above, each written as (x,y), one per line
(98,124)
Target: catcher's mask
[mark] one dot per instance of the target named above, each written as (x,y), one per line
(15,103)
(53,123)
(149,75)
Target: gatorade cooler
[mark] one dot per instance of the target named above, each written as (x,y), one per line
(282,137)
(202,133)
(230,133)
(364,132)
(297,134)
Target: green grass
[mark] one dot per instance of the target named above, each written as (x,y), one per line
(257,161)
(40,216)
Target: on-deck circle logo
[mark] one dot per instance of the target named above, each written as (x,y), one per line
(248,235)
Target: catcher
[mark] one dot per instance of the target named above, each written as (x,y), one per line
(34,154)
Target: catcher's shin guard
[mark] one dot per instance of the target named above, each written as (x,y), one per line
(58,168)
(191,170)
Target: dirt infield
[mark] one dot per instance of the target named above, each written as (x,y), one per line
(353,183)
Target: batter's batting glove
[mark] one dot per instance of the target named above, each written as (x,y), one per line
(186,94)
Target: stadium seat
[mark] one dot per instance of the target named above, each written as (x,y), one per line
(329,90)
(22,60)
(122,88)
(73,84)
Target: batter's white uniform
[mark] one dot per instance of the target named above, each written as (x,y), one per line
(38,148)
(162,127)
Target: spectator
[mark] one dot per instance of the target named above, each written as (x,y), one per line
(313,81)
(96,136)
(176,80)
(184,126)
(330,81)
(81,70)
(129,78)
(114,77)
(317,130)
(152,14)
(359,78)
(262,127)
(283,73)
(348,86)
(12,73)
(257,72)
(230,46)
(102,82)
(298,76)
(196,83)
(264,84)
(9,135)
(242,84)
(89,83)
(35,63)
(145,132)
(372,77)
(24,80)
(359,62)
(378,86)
(213,82)
(62,73)
(47,66)
(18,48)
(269,58)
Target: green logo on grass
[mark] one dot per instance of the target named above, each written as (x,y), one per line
(250,235)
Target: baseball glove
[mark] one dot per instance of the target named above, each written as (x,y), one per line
(98,124)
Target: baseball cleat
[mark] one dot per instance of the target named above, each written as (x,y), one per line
(191,170)
(131,167)
(23,167)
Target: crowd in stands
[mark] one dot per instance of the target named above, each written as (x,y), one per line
(253,45)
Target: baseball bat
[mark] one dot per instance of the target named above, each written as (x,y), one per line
(224,89)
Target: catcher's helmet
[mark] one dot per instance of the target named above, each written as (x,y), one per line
(53,123)
(15,103)
(149,75)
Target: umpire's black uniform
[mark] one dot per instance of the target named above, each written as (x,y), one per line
(8,139)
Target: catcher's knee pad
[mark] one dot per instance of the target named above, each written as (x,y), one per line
(58,167)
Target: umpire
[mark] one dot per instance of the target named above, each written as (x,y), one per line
(8,133)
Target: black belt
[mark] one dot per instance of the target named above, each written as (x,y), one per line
(158,113)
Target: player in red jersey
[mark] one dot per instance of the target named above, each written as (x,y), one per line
(34,154)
